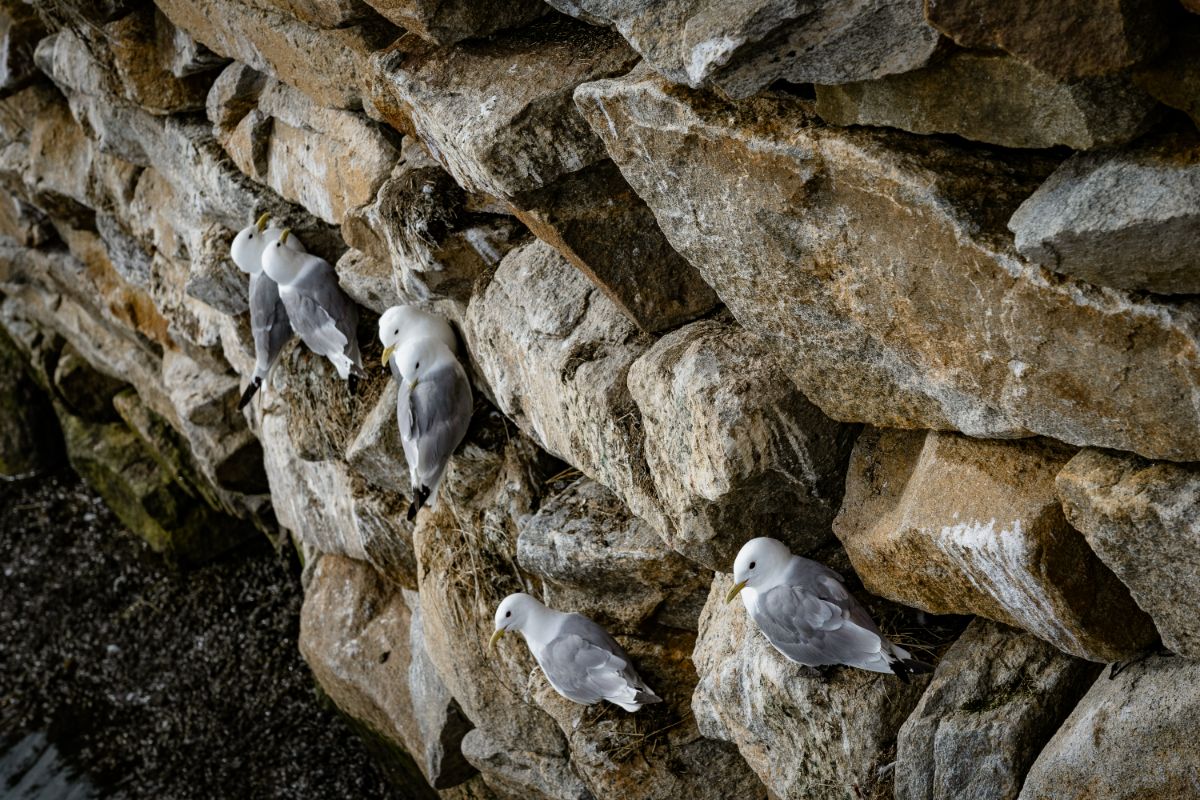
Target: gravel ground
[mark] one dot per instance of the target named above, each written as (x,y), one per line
(149,681)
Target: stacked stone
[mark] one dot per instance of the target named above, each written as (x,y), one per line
(907,285)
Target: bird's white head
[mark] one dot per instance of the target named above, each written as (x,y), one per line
(247,248)
(417,357)
(757,563)
(514,613)
(412,322)
(281,260)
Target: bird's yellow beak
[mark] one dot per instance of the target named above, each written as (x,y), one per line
(497,636)
(262,222)
(284,236)
(737,588)
(387,354)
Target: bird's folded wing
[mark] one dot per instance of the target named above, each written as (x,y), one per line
(268,317)
(812,629)
(587,668)
(435,415)
(317,283)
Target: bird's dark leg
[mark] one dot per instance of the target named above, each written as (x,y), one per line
(249,393)
(353,383)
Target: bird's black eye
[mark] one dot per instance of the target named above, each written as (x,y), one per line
(418,365)
(396,332)
(752,565)
(508,613)
(251,236)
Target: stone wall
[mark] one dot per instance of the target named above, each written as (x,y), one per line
(910,286)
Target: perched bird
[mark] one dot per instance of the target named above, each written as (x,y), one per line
(400,323)
(433,410)
(268,317)
(808,615)
(325,318)
(582,662)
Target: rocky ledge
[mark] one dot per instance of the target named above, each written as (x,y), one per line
(910,286)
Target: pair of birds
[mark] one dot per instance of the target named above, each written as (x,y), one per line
(800,605)
(292,290)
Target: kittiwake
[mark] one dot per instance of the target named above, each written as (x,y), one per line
(807,614)
(402,323)
(433,410)
(325,318)
(268,317)
(582,662)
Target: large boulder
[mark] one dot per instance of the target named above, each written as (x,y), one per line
(1128,218)
(363,639)
(1131,738)
(1064,38)
(445,22)
(1142,519)
(996,99)
(997,697)
(807,737)
(733,447)
(784,217)
(746,45)
(965,526)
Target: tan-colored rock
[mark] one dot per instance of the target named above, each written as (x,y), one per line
(1130,738)
(996,99)
(141,46)
(1142,519)
(597,559)
(321,13)
(806,737)
(743,46)
(733,447)
(446,22)
(955,525)
(327,160)
(365,643)
(324,64)
(1064,38)
(602,227)
(996,698)
(784,217)
(558,369)
(497,113)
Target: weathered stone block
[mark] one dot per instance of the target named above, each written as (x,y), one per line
(878,264)
(446,22)
(965,526)
(1143,520)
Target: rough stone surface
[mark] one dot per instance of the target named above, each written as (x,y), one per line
(497,113)
(1130,737)
(594,557)
(20,30)
(746,45)
(1174,77)
(956,525)
(326,65)
(1143,520)
(1128,219)
(996,698)
(559,370)
(147,74)
(25,416)
(597,222)
(806,737)
(445,22)
(996,99)
(732,449)
(1064,38)
(364,641)
(786,218)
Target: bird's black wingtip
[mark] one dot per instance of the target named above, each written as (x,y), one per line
(903,668)
(249,393)
(420,496)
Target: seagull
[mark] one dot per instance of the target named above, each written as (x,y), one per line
(807,614)
(582,662)
(433,410)
(325,318)
(268,317)
(399,323)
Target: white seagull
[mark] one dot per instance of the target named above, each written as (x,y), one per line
(268,317)
(582,662)
(320,312)
(807,614)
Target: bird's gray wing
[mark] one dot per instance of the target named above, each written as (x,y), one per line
(268,322)
(434,418)
(322,313)
(587,665)
(815,623)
